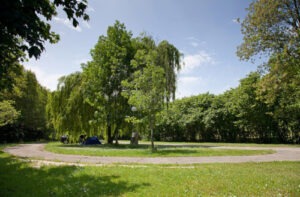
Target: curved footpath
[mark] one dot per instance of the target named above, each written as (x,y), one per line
(37,151)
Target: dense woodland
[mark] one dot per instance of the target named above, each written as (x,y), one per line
(23,108)
(130,83)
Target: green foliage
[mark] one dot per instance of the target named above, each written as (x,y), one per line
(183,119)
(279,89)
(29,99)
(67,111)
(24,27)
(8,114)
(252,117)
(271,26)
(238,115)
(147,87)
(110,65)
(121,64)
(169,59)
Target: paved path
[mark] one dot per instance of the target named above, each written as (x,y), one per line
(37,151)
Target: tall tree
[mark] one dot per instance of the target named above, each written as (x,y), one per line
(169,59)
(29,98)
(146,89)
(253,118)
(271,26)
(67,111)
(109,66)
(280,90)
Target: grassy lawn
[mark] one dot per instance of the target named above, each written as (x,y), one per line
(142,150)
(248,179)
(217,144)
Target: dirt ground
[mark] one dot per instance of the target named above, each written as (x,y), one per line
(38,153)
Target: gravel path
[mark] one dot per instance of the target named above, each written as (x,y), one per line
(37,151)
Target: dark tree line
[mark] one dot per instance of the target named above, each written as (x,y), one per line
(24,29)
(23,108)
(238,115)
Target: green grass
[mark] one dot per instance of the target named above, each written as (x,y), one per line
(18,178)
(163,150)
(214,144)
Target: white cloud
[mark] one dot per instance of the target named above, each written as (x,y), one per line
(194,41)
(194,44)
(193,61)
(188,86)
(45,79)
(189,79)
(67,23)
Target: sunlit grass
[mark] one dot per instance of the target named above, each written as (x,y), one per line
(217,144)
(142,150)
(247,179)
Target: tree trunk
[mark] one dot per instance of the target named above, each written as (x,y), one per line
(152,140)
(109,138)
(116,135)
(151,134)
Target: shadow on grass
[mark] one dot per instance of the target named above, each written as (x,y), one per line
(105,146)
(19,179)
(128,146)
(165,152)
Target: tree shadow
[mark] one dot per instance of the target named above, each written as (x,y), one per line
(164,152)
(106,146)
(128,146)
(184,146)
(20,179)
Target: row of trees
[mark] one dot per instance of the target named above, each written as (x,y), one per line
(23,107)
(266,105)
(24,29)
(124,72)
(239,115)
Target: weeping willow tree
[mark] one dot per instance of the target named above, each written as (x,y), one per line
(68,113)
(169,59)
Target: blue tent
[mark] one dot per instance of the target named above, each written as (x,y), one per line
(92,140)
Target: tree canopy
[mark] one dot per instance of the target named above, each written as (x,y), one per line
(24,27)
(8,114)
(146,90)
(23,108)
(271,26)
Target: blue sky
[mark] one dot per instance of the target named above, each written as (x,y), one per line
(205,31)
